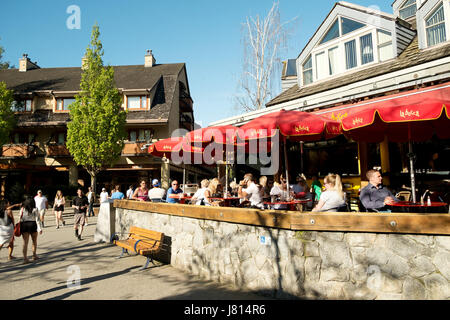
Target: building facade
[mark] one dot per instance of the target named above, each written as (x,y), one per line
(157,100)
(358,54)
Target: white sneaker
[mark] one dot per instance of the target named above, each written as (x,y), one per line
(85,224)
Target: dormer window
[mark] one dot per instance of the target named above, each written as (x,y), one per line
(333,33)
(62,104)
(21,106)
(307,71)
(137,102)
(435,27)
(408,9)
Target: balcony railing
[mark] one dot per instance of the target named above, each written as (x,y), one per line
(57,151)
(134,148)
(17,150)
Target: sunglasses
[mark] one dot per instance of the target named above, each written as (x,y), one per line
(174,184)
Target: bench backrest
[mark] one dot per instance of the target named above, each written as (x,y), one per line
(151,237)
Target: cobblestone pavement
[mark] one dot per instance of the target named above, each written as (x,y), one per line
(64,259)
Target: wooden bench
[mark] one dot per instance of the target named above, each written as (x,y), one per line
(142,241)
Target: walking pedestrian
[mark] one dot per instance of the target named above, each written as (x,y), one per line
(7,226)
(91,198)
(58,208)
(30,225)
(80,204)
(41,204)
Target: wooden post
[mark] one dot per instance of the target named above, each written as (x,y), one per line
(73,175)
(385,164)
(165,175)
(362,160)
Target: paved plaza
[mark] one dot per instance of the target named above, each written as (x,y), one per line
(101,275)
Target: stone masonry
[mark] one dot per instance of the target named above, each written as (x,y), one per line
(303,264)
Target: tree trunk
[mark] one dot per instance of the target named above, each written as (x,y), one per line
(93,175)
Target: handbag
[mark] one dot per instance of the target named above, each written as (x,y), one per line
(17,231)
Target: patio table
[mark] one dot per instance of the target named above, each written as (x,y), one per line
(418,207)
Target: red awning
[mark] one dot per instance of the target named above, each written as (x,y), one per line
(413,115)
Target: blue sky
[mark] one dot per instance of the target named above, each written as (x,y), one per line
(204,34)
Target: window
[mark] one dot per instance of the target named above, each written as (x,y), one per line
(307,71)
(435,27)
(333,33)
(321,65)
(333,60)
(350,54)
(384,45)
(366,48)
(23,138)
(61,138)
(140,135)
(136,102)
(21,106)
(350,25)
(63,104)
(408,9)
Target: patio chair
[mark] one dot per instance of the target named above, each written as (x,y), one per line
(403,195)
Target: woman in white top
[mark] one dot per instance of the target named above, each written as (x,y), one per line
(201,197)
(58,208)
(279,192)
(333,197)
(30,225)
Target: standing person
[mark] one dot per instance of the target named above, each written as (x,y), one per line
(333,197)
(156,193)
(41,204)
(174,189)
(104,197)
(80,204)
(58,208)
(141,192)
(130,192)
(116,194)
(7,226)
(91,198)
(30,225)
(375,196)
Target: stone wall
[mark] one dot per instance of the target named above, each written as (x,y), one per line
(302,264)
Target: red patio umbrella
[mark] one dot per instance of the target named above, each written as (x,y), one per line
(407,117)
(175,147)
(292,125)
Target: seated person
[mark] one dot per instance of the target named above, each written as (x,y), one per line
(250,192)
(279,192)
(375,196)
(202,195)
(174,190)
(116,194)
(333,197)
(156,194)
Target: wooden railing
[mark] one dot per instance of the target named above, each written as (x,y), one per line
(412,223)
(16,150)
(57,151)
(134,148)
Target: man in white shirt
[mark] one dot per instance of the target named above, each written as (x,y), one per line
(156,193)
(41,204)
(130,192)
(90,197)
(249,190)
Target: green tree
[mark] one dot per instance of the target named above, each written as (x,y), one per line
(96,130)
(7,119)
(3,65)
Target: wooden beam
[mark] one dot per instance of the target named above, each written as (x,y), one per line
(413,223)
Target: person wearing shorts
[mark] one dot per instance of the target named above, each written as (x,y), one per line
(41,204)
(80,204)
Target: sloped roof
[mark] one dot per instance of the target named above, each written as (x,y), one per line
(164,76)
(410,57)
